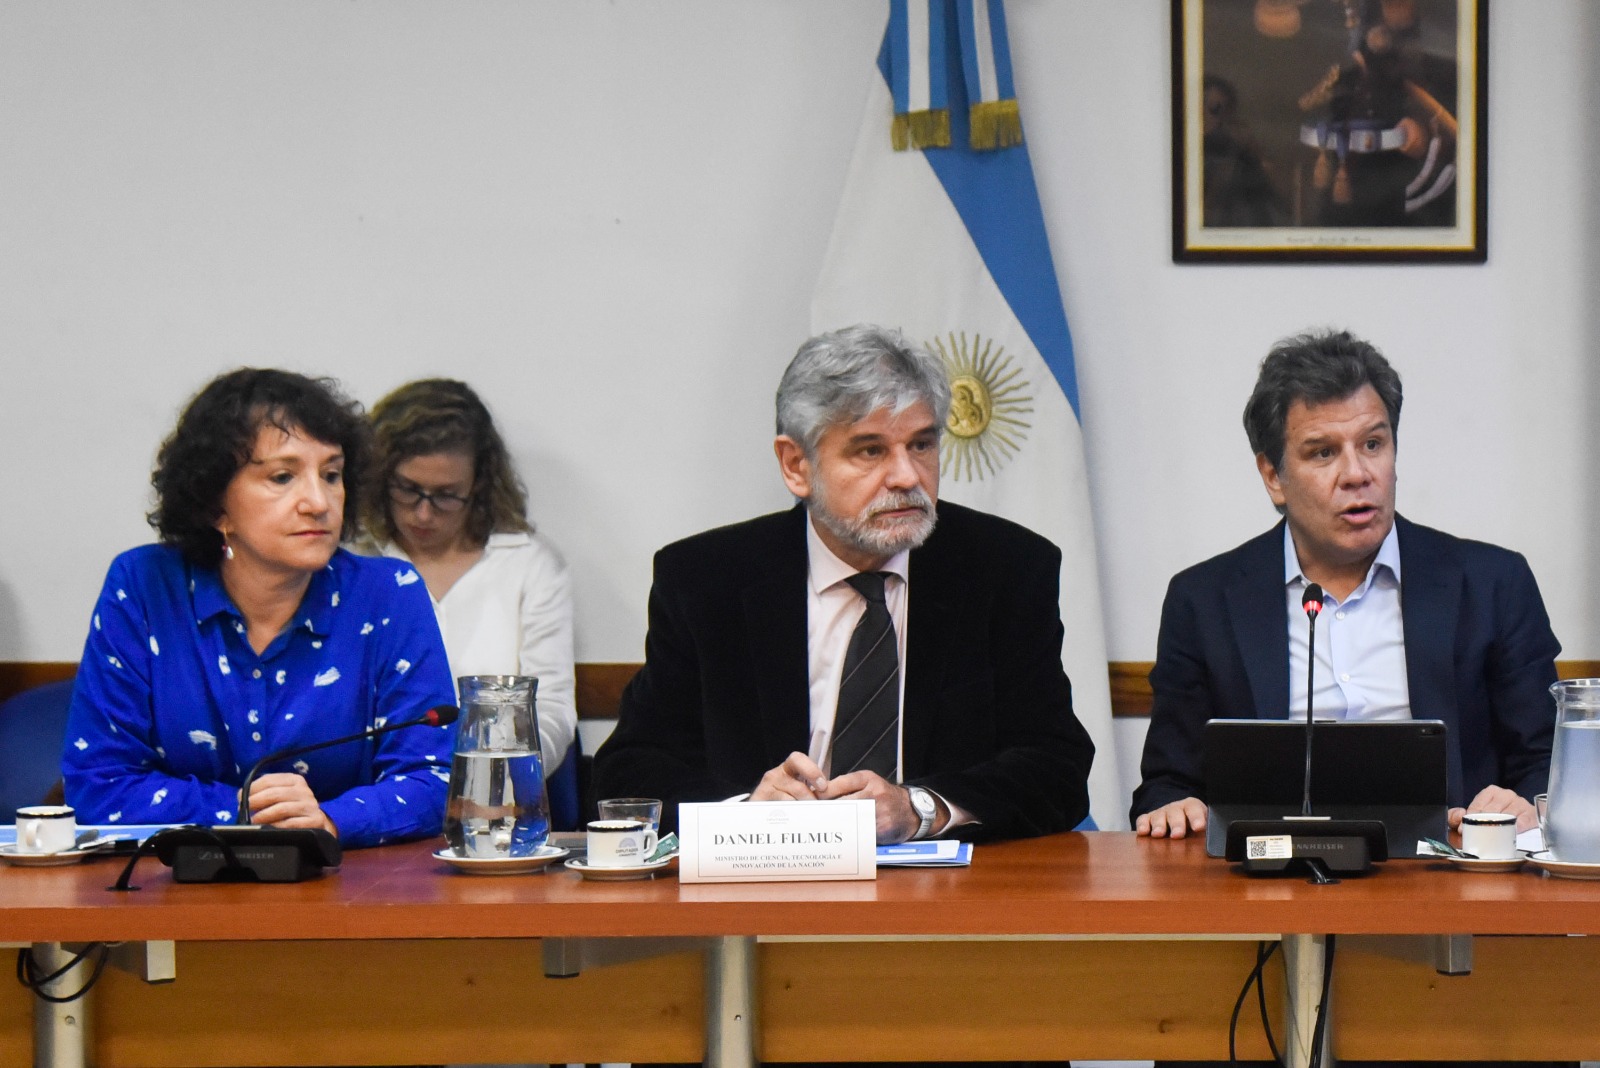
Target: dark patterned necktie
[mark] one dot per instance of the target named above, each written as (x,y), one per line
(865,734)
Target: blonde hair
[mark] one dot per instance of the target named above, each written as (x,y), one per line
(437,415)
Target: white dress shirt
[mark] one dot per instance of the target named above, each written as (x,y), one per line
(833,608)
(1361,643)
(511,614)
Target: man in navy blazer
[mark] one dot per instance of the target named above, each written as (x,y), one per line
(1415,624)
(749,623)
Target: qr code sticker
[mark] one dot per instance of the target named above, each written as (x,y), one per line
(1269,847)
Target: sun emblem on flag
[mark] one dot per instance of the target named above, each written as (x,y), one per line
(988,397)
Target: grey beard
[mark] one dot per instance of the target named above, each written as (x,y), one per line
(878,538)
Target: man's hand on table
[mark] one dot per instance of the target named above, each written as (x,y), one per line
(1175,820)
(799,779)
(796,779)
(1498,799)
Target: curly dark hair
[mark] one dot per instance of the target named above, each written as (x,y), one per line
(216,435)
(1315,367)
(435,415)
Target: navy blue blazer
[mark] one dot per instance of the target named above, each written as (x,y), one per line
(724,694)
(1480,656)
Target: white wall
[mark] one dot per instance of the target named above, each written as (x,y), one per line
(1496,441)
(609,215)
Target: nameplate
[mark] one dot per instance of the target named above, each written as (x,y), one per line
(777,841)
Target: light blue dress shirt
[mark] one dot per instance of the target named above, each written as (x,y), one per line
(1361,643)
(173,706)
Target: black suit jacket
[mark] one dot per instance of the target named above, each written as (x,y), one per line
(723,696)
(1479,655)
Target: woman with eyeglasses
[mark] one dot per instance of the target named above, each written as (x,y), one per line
(446,497)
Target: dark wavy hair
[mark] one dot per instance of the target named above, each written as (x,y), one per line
(437,415)
(1315,367)
(216,435)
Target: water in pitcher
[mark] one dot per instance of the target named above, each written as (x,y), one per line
(497,804)
(1573,823)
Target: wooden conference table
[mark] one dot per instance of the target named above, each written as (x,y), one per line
(1092,945)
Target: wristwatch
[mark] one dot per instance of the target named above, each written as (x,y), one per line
(926,808)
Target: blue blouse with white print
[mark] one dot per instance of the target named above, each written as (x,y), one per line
(173,706)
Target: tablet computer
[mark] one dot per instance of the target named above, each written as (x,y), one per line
(1389,770)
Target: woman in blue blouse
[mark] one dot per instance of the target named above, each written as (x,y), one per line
(248,630)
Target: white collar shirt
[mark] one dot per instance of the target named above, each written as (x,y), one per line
(510,613)
(1361,644)
(833,608)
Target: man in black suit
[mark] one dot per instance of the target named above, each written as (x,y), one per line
(761,633)
(1457,632)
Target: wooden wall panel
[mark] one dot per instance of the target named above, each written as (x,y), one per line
(600,685)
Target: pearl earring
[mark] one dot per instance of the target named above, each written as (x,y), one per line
(227,550)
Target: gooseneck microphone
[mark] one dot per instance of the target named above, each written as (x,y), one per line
(442,716)
(245,853)
(1311,601)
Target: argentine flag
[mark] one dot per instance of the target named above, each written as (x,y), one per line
(948,244)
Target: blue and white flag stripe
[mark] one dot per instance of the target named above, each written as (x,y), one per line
(949,245)
(916,35)
(985,50)
(922,37)
(997,199)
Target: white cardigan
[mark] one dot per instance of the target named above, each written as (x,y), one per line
(511,614)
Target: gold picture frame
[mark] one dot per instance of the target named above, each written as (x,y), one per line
(1329,131)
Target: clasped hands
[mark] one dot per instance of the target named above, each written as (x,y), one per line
(1188,816)
(799,779)
(284,799)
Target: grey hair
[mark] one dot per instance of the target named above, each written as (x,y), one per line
(845,375)
(1315,367)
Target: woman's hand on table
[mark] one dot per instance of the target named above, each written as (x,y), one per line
(285,800)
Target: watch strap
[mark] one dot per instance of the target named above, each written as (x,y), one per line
(927,817)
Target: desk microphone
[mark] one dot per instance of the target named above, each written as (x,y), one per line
(1306,842)
(1311,601)
(245,853)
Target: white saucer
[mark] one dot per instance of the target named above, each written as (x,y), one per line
(1488,866)
(546,855)
(9,854)
(621,875)
(1564,869)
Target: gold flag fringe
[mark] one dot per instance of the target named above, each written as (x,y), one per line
(921,129)
(995,124)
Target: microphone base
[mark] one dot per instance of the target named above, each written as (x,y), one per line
(246,854)
(1322,847)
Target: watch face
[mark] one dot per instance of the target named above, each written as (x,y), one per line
(922,801)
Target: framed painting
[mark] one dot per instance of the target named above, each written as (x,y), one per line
(1329,130)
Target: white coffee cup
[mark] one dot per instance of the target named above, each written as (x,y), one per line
(46,829)
(619,843)
(1489,835)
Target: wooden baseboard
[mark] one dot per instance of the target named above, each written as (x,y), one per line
(19,675)
(1131,695)
(600,685)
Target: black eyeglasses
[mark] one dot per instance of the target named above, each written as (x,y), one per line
(409,496)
